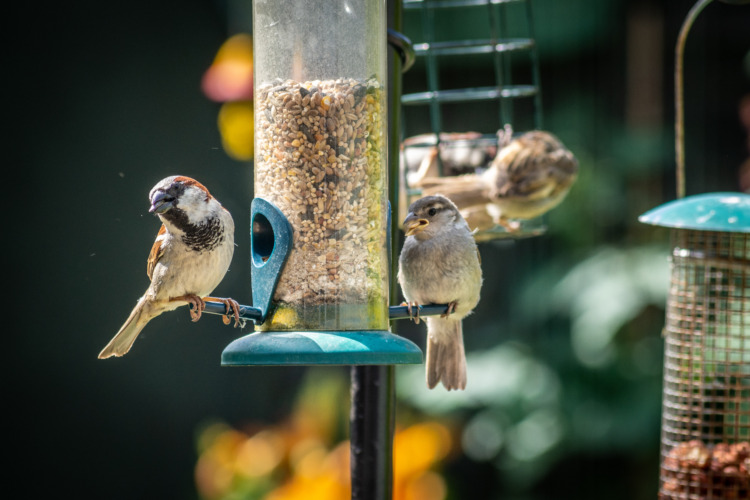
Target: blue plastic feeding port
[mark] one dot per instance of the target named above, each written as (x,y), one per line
(728,212)
(271,243)
(321,348)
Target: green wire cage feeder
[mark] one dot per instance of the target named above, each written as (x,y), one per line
(705,438)
(505,43)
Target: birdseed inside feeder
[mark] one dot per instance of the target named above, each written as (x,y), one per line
(321,159)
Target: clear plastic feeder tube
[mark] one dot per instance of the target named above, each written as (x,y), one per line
(321,153)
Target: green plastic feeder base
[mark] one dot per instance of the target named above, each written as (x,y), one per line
(275,348)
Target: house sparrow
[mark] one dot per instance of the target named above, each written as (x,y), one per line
(439,264)
(529,176)
(188,260)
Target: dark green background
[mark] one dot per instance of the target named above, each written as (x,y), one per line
(105,100)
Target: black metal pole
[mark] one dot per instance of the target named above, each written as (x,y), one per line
(371,422)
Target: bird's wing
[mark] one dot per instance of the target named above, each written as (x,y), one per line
(156,251)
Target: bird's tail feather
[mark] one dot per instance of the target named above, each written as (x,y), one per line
(445,359)
(123,340)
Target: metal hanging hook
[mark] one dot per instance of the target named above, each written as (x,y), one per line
(678,93)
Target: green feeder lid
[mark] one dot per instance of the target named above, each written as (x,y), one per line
(274,348)
(728,212)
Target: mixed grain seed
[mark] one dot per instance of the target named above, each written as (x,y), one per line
(320,158)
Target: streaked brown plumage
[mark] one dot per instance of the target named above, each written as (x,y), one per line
(530,175)
(189,258)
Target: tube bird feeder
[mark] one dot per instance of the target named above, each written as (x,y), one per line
(321,126)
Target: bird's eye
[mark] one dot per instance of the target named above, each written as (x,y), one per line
(432,211)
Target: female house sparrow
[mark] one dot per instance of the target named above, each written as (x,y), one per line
(439,264)
(188,260)
(529,176)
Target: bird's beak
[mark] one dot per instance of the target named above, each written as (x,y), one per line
(414,225)
(161,202)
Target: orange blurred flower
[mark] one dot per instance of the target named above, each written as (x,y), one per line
(299,458)
(416,450)
(319,476)
(232,460)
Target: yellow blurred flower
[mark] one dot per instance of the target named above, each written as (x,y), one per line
(321,476)
(215,470)
(427,486)
(259,454)
(236,127)
(316,472)
(417,448)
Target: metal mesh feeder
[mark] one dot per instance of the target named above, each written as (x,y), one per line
(705,443)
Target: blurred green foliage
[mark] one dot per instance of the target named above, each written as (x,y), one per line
(564,350)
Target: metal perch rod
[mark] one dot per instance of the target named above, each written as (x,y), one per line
(394,312)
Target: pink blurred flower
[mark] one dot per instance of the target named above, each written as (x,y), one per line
(230,76)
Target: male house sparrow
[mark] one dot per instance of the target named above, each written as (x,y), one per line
(439,264)
(188,260)
(529,176)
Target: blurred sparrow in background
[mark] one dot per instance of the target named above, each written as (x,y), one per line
(191,254)
(460,152)
(530,175)
(439,264)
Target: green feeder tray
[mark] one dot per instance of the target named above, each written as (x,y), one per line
(270,242)
(728,212)
(321,348)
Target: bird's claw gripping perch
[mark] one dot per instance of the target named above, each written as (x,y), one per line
(449,310)
(196,305)
(232,308)
(410,308)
